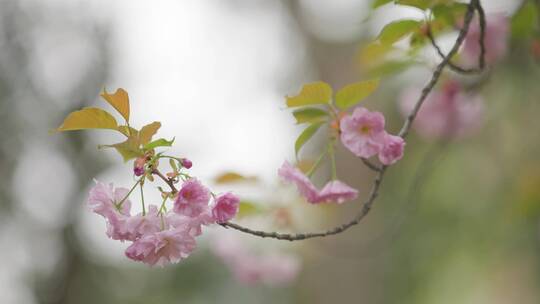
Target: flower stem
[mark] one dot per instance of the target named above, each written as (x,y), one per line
(332,159)
(142,200)
(162,207)
(119,205)
(316,164)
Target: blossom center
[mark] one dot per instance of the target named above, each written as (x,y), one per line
(364,130)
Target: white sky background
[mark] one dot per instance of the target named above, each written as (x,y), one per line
(211,72)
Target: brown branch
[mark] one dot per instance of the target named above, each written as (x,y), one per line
(481,42)
(439,69)
(371,165)
(166,180)
(368,203)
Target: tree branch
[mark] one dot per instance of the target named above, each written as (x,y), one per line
(481,42)
(368,203)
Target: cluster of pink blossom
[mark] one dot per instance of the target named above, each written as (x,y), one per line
(448,112)
(362,132)
(160,237)
(274,268)
(495,40)
(334,191)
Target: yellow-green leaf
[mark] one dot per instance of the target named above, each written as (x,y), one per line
(119,100)
(397,30)
(88,118)
(129,149)
(311,93)
(162,142)
(310,115)
(233,177)
(305,136)
(354,93)
(128,131)
(146,133)
(378,3)
(420,4)
(373,53)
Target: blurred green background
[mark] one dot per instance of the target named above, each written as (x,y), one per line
(458,221)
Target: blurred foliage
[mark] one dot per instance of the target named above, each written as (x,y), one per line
(457,222)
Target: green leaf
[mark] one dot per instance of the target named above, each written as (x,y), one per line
(305,136)
(88,118)
(146,133)
(525,21)
(129,149)
(420,4)
(390,67)
(233,177)
(374,52)
(310,115)
(119,100)
(378,3)
(354,93)
(162,142)
(397,30)
(311,93)
(446,15)
(172,162)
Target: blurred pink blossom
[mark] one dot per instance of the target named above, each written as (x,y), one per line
(270,268)
(447,112)
(495,40)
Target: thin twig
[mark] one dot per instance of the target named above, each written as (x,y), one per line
(439,69)
(481,42)
(370,165)
(165,179)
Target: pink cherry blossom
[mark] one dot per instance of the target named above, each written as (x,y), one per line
(193,225)
(447,111)
(116,227)
(192,199)
(495,40)
(333,192)
(225,207)
(392,150)
(360,131)
(162,248)
(306,188)
(337,191)
(138,225)
(102,200)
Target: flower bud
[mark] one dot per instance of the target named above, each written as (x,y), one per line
(186,163)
